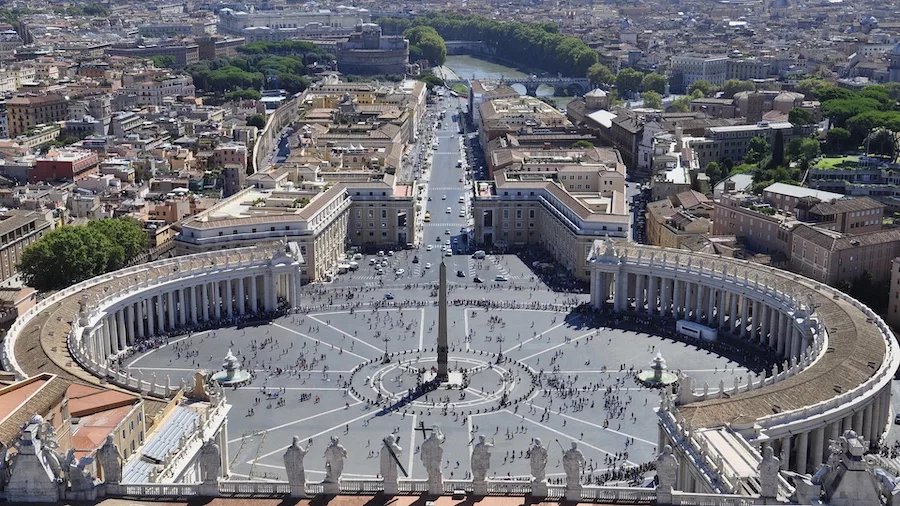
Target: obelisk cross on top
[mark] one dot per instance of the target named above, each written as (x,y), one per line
(442,347)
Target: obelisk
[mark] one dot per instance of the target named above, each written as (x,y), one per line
(442,347)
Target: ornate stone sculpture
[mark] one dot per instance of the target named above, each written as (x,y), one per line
(390,452)
(666,472)
(293,465)
(210,462)
(334,461)
(481,462)
(573,462)
(481,458)
(110,461)
(432,454)
(538,469)
(4,466)
(538,461)
(768,473)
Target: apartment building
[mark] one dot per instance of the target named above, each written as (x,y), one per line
(673,220)
(26,112)
(18,229)
(832,257)
(517,209)
(763,227)
(484,91)
(232,158)
(155,89)
(367,214)
(693,68)
(65,164)
(733,141)
(521,114)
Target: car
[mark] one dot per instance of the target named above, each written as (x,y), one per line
(462,200)
(381,253)
(429,247)
(460,273)
(446,232)
(500,277)
(372,261)
(400,272)
(443,197)
(448,253)
(415,259)
(428,265)
(462,213)
(389,296)
(477,279)
(390,253)
(429,199)
(449,210)
(379,271)
(460,180)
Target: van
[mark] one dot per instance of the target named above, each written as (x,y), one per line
(462,200)
(353,266)
(427,217)
(478,255)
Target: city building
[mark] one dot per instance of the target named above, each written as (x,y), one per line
(323,224)
(481,91)
(563,210)
(693,68)
(25,112)
(241,22)
(893,311)
(368,52)
(519,115)
(673,220)
(18,229)
(732,142)
(65,164)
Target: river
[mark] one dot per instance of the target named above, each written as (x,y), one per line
(471,68)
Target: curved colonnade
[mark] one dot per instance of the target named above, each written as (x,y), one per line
(100,320)
(839,356)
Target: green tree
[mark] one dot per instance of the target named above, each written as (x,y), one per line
(733,86)
(882,142)
(703,86)
(70,254)
(800,116)
(429,42)
(715,172)
(811,88)
(243,95)
(582,144)
(654,82)
(837,139)
(629,80)
(600,74)
(801,149)
(652,99)
(777,150)
(431,80)
(162,61)
(681,104)
(842,109)
(257,120)
(757,150)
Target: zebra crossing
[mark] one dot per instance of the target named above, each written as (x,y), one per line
(489,269)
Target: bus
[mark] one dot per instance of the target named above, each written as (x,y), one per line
(427,217)
(695,330)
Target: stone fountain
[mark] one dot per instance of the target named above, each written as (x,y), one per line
(231,373)
(657,376)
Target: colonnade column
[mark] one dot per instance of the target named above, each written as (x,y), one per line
(818,448)
(780,330)
(653,296)
(204,300)
(228,295)
(857,422)
(170,302)
(241,300)
(151,322)
(269,287)
(733,314)
(139,309)
(785,453)
(698,303)
(754,323)
(160,314)
(254,304)
(621,292)
(867,422)
(120,328)
(745,315)
(723,307)
(802,444)
(298,286)
(129,313)
(666,299)
(679,295)
(182,306)
(639,297)
(795,340)
(110,336)
(710,305)
(216,289)
(764,338)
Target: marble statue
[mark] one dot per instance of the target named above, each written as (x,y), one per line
(110,461)
(78,477)
(538,461)
(573,462)
(481,458)
(388,463)
(293,465)
(432,454)
(334,461)
(666,471)
(210,461)
(768,473)
(390,453)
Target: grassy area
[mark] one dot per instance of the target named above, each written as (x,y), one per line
(838,162)
(461,89)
